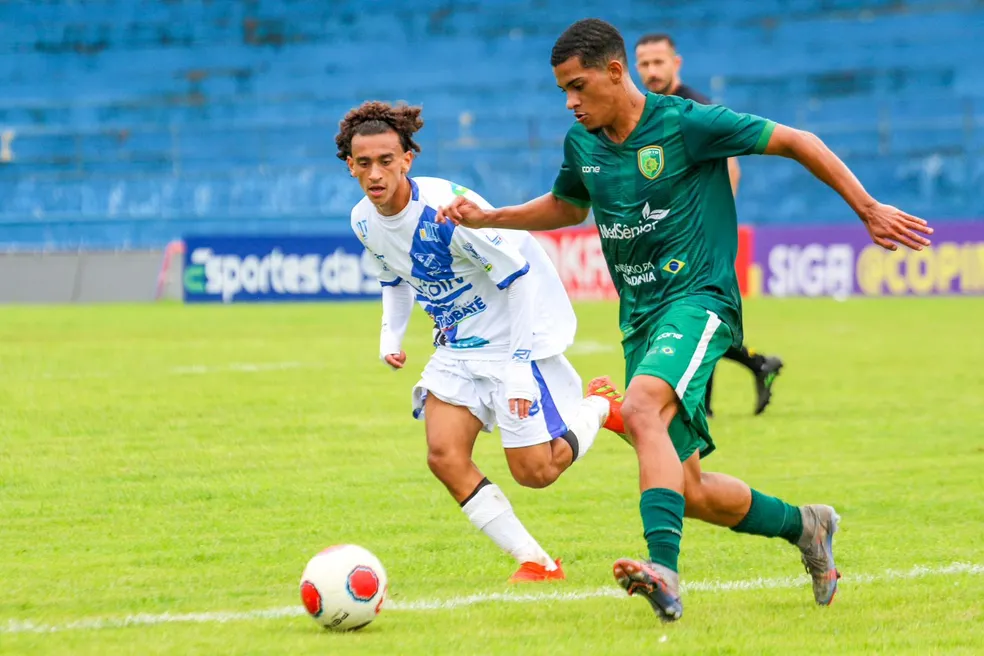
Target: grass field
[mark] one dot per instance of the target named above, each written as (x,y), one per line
(168,464)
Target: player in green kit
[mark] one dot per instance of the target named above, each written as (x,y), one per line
(654,169)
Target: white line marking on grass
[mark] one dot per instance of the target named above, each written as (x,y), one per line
(75,376)
(147,619)
(193,370)
(241,367)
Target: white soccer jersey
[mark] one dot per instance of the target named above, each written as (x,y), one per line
(461,275)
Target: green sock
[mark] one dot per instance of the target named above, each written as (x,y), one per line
(772,518)
(662,524)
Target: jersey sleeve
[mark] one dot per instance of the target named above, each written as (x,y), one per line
(489,250)
(716,132)
(568,186)
(371,262)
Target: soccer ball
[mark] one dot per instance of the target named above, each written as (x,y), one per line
(343,587)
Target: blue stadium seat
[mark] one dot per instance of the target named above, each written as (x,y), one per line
(134,122)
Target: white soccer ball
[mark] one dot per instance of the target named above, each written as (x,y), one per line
(343,587)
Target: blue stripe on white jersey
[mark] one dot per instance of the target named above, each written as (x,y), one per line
(430,251)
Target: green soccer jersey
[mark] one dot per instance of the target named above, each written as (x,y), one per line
(663,204)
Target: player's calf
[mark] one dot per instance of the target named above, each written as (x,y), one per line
(540,465)
(712,497)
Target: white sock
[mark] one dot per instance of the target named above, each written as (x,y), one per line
(491,513)
(591,414)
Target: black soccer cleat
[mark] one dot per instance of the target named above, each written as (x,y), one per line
(658,585)
(764,378)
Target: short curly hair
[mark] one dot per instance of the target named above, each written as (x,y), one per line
(593,41)
(375,117)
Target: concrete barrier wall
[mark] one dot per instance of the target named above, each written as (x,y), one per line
(84,277)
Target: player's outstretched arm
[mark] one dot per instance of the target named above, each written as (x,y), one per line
(887,225)
(548,212)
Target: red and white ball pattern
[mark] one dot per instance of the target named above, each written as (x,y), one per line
(343,587)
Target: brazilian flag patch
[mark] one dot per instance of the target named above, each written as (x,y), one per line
(674,266)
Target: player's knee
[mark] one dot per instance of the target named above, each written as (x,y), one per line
(646,406)
(698,498)
(640,416)
(444,463)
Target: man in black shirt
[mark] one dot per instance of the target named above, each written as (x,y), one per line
(658,65)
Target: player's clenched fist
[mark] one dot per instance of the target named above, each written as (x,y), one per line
(396,360)
(463,212)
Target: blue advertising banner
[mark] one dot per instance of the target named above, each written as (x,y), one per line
(230,269)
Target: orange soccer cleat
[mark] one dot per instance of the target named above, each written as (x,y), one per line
(603,387)
(536,573)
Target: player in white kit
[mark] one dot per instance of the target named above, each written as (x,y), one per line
(502,323)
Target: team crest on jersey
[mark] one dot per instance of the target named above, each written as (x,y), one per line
(363,228)
(651,161)
(429,232)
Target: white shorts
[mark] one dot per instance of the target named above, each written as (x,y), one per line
(477,385)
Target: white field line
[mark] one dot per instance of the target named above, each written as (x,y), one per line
(194,370)
(147,619)
(242,367)
(586,347)
(580,348)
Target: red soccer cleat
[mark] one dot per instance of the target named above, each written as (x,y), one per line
(537,573)
(603,387)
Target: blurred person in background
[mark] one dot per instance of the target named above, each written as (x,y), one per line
(658,65)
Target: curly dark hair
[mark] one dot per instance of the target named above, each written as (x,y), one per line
(375,117)
(593,41)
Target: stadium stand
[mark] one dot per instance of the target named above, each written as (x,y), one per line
(127,124)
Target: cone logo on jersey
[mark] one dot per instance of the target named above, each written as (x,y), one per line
(651,161)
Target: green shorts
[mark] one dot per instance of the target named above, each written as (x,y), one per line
(681,346)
